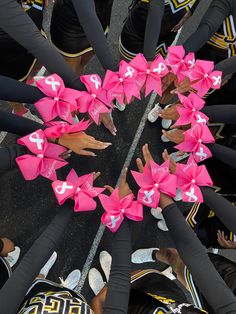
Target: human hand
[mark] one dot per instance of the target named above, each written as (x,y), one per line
(184,86)
(224,242)
(124,189)
(175,136)
(181,22)
(8,246)
(80,142)
(147,157)
(166,156)
(107,121)
(170,113)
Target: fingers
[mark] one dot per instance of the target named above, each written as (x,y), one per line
(107,121)
(109,188)
(96,175)
(139,165)
(84,152)
(66,154)
(124,177)
(165,155)
(146,154)
(94,144)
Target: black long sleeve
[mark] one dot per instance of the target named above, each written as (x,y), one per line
(153,27)
(15,289)
(12,90)
(194,255)
(210,23)
(18,125)
(15,22)
(8,156)
(225,154)
(194,6)
(227,66)
(223,209)
(119,282)
(92,27)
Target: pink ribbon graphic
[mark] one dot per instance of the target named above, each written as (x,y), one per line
(179,63)
(46,160)
(151,75)
(57,128)
(93,100)
(80,189)
(205,76)
(193,142)
(121,84)
(60,101)
(189,177)
(117,209)
(153,181)
(190,113)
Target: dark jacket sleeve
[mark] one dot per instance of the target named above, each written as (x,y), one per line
(15,22)
(119,282)
(194,255)
(15,289)
(227,66)
(12,90)
(210,23)
(88,18)
(194,6)
(153,26)
(9,154)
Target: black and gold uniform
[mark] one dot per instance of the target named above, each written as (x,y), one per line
(15,61)
(132,36)
(69,33)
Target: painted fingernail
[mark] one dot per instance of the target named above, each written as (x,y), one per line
(108,144)
(70,151)
(93,155)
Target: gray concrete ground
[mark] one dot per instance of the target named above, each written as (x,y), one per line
(27,207)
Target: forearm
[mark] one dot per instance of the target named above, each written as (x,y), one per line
(227,66)
(196,259)
(225,154)
(8,156)
(153,26)
(223,209)
(117,298)
(13,292)
(198,39)
(92,27)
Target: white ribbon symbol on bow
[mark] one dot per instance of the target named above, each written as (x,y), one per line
(191,63)
(52,82)
(200,119)
(148,197)
(113,222)
(60,189)
(39,141)
(217,80)
(201,154)
(129,72)
(191,195)
(95,80)
(161,67)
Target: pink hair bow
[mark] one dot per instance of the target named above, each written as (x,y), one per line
(179,63)
(205,76)
(194,139)
(93,100)
(117,209)
(153,181)
(150,74)
(80,189)
(190,113)
(121,84)
(58,128)
(46,160)
(60,101)
(189,177)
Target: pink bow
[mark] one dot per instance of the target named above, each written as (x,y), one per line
(92,101)
(190,113)
(122,84)
(205,76)
(194,139)
(189,177)
(80,189)
(179,63)
(60,101)
(117,209)
(57,128)
(153,181)
(46,161)
(150,74)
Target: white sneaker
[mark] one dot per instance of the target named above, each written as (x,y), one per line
(105,262)
(13,256)
(176,157)
(76,119)
(71,280)
(119,106)
(95,279)
(178,196)
(143,256)
(45,270)
(166,123)
(162,225)
(154,113)
(157,213)
(168,272)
